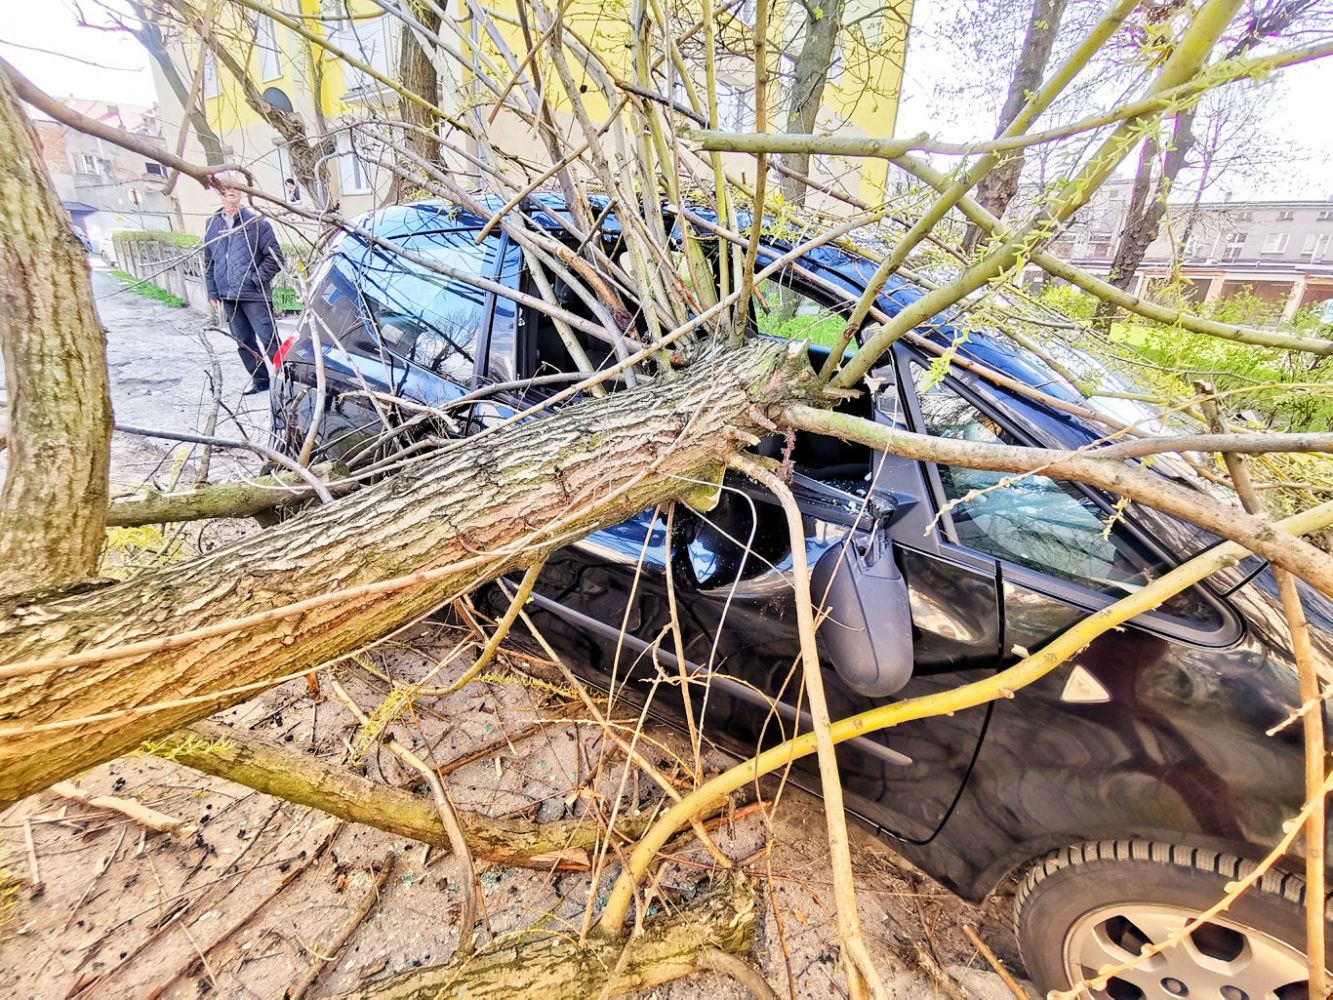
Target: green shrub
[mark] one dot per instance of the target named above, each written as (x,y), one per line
(285,299)
(183,240)
(141,286)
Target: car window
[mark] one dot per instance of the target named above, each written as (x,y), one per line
(779,310)
(425,317)
(1037,522)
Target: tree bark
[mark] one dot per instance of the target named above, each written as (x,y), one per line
(809,77)
(997,189)
(236,756)
(53,505)
(1147,205)
(557,967)
(239,499)
(418,74)
(387,554)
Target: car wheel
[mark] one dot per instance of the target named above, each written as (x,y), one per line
(1083,908)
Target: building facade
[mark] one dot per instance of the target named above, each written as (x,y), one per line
(103,186)
(294,73)
(1278,251)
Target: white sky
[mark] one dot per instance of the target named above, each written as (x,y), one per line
(1300,109)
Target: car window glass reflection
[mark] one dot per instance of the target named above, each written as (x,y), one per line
(425,317)
(781,311)
(1035,521)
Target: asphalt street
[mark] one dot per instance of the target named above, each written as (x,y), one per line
(161,362)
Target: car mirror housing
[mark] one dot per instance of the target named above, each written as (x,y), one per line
(868,631)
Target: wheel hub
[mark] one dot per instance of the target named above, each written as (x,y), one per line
(1221,960)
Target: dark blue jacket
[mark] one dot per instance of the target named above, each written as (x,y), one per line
(240,260)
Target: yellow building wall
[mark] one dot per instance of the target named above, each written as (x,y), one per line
(862,99)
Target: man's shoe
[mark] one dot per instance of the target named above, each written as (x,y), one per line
(255,386)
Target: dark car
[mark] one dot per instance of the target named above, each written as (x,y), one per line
(1123,791)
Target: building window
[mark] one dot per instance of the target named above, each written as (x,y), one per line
(1235,245)
(87,163)
(1275,243)
(266,40)
(735,110)
(1315,246)
(1326,215)
(1244,216)
(1192,245)
(746,11)
(367,41)
(838,67)
(156,169)
(212,86)
(1099,247)
(1286,215)
(355,179)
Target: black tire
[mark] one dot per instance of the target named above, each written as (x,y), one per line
(1070,890)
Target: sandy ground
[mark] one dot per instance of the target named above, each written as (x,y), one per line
(257,890)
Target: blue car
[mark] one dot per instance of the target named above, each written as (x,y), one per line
(1122,792)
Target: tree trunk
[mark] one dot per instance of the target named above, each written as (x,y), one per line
(557,967)
(809,77)
(53,505)
(418,75)
(446,526)
(1147,206)
(296,777)
(997,189)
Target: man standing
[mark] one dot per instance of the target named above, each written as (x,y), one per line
(241,258)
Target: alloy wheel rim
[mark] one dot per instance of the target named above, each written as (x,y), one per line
(1223,960)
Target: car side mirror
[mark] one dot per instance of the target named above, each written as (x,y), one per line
(868,631)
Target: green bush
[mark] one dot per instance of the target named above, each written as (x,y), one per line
(141,286)
(183,240)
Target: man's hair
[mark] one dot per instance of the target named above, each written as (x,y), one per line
(230,179)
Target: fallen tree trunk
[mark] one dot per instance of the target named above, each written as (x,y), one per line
(295,777)
(553,967)
(90,676)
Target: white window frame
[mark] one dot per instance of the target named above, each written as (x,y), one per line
(369,41)
(212,85)
(1233,245)
(838,62)
(352,171)
(1316,246)
(747,11)
(733,113)
(1286,215)
(270,55)
(87,163)
(1325,215)
(1275,243)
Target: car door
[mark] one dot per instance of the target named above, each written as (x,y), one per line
(605,599)
(1104,732)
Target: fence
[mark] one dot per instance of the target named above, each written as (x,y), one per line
(174,262)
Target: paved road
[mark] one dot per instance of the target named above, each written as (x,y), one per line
(160,364)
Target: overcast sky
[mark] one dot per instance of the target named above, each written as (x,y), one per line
(115,68)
